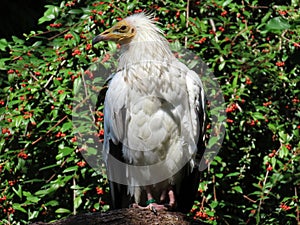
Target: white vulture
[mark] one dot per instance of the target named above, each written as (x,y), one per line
(154,121)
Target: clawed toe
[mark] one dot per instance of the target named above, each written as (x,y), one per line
(170,207)
(154,207)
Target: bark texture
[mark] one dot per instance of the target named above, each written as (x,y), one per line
(132,216)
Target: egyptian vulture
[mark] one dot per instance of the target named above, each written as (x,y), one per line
(154,121)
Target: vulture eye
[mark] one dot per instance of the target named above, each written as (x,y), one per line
(123,27)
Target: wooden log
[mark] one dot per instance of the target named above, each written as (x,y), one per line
(131,216)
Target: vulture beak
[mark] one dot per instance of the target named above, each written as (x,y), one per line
(97,39)
(122,33)
(107,35)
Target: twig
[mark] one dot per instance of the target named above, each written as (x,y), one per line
(43,33)
(297,207)
(57,71)
(251,200)
(261,198)
(214,187)
(55,36)
(258,7)
(74,196)
(33,76)
(187,21)
(226,221)
(288,40)
(50,79)
(87,96)
(202,202)
(53,175)
(52,128)
(239,33)
(212,23)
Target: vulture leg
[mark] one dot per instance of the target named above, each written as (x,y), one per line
(153,206)
(151,203)
(172,202)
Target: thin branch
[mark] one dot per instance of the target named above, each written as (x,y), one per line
(212,23)
(239,33)
(187,21)
(202,202)
(74,196)
(87,96)
(52,128)
(50,79)
(249,199)
(53,175)
(214,188)
(55,36)
(297,207)
(43,33)
(258,7)
(261,198)
(288,40)
(57,71)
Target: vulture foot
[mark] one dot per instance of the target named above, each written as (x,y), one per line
(154,207)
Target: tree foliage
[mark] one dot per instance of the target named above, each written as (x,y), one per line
(253,49)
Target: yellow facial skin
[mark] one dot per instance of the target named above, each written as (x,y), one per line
(121,33)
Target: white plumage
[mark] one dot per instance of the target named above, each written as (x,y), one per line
(154,120)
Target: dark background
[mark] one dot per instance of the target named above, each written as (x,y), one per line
(20,16)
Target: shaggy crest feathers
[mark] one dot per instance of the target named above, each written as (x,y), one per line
(147,44)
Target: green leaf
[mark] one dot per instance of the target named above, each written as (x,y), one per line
(221,66)
(213,140)
(76,11)
(77,202)
(33,215)
(3,65)
(196,30)
(182,19)
(219,175)
(266,17)
(17,40)
(272,127)
(235,80)
(258,116)
(66,126)
(283,135)
(42,192)
(3,44)
(52,203)
(227,2)
(19,207)
(278,23)
(19,191)
(66,151)
(62,210)
(37,44)
(77,85)
(112,46)
(214,204)
(50,14)
(30,198)
(238,189)
(48,167)
(70,169)
(283,152)
(234,174)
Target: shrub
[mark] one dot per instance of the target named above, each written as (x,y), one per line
(253,49)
